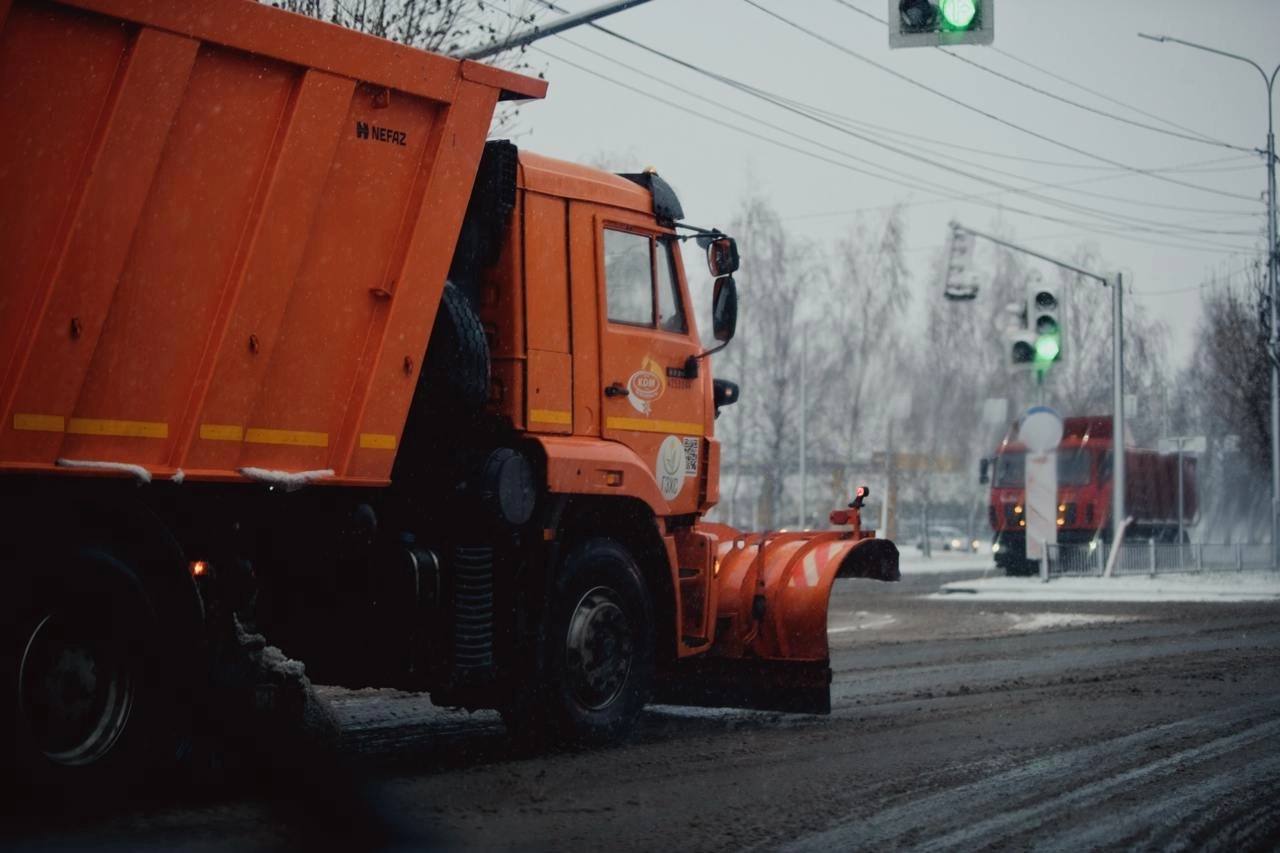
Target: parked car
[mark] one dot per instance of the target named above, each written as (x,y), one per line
(949,539)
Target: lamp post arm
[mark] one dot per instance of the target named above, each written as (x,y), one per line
(1211,50)
(956,226)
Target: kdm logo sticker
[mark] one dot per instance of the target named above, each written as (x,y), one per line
(646,385)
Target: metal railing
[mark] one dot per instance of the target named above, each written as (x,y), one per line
(1156,558)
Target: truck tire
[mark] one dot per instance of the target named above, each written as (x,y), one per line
(456,369)
(92,712)
(597,655)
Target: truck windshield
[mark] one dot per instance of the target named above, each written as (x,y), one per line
(1073,467)
(1010,468)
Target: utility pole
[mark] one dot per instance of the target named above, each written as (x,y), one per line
(1273,287)
(541,31)
(804,431)
(1117,365)
(1117,419)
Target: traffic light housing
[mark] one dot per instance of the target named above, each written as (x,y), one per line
(934,23)
(960,283)
(1044,318)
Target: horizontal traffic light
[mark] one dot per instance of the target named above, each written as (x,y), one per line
(930,23)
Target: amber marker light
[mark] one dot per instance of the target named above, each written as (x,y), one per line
(199,568)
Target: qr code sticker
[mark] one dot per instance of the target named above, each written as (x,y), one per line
(691,448)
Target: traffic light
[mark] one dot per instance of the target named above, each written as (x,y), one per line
(960,284)
(934,23)
(1044,310)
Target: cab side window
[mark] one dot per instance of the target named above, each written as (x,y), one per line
(670,313)
(640,281)
(628,277)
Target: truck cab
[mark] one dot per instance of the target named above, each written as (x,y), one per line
(1084,469)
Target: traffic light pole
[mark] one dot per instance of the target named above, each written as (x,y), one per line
(1117,366)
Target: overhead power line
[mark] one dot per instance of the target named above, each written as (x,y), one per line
(985,113)
(910,181)
(1167,228)
(1216,281)
(1192,137)
(1096,93)
(1186,244)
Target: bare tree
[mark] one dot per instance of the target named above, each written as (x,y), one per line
(858,341)
(1231,368)
(440,26)
(759,432)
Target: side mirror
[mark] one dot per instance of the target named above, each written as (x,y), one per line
(724,392)
(984,468)
(722,256)
(724,311)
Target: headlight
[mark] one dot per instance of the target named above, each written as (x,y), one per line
(995,547)
(956,544)
(976,544)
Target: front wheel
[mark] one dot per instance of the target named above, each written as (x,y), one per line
(596,650)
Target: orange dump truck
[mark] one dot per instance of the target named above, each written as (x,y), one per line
(283,339)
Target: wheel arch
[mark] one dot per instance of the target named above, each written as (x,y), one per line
(62,531)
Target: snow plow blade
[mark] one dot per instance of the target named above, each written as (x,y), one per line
(770,598)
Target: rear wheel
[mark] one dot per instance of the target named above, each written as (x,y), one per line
(596,668)
(92,707)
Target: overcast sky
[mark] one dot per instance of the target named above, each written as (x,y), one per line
(1166,237)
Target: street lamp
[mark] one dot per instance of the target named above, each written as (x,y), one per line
(1273,260)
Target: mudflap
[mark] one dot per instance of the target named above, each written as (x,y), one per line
(794,687)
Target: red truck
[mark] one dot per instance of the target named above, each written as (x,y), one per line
(285,344)
(1084,492)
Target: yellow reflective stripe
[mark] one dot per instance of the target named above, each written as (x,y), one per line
(551,416)
(106,426)
(377,441)
(222,432)
(301,438)
(40,423)
(646,425)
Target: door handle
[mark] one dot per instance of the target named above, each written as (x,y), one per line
(617,390)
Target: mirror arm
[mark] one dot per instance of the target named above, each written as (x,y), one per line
(706,234)
(691,363)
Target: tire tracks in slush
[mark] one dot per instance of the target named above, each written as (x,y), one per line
(1021,801)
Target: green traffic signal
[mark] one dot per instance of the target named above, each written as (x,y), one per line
(957,14)
(1047,349)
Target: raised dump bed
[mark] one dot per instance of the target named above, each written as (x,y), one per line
(224,231)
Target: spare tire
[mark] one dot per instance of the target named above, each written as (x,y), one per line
(456,369)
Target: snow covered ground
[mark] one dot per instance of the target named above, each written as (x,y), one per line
(1210,586)
(990,584)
